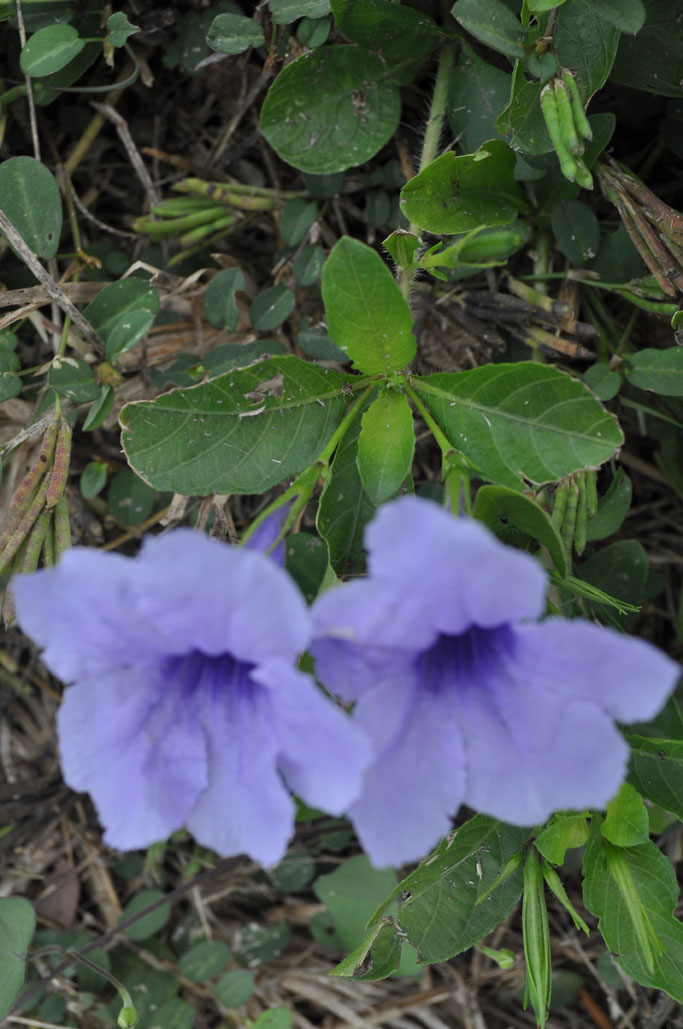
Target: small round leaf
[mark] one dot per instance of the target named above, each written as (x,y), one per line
(271,308)
(31,201)
(235,988)
(233,34)
(50,49)
(149,924)
(204,960)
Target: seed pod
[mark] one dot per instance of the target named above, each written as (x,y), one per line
(560,504)
(566,118)
(34,542)
(27,488)
(583,176)
(49,544)
(536,939)
(581,123)
(569,523)
(551,117)
(591,493)
(23,527)
(60,466)
(581,516)
(62,527)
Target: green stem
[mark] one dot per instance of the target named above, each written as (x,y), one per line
(455,466)
(432,135)
(302,488)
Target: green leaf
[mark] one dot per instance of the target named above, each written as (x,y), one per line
(173,1014)
(296,219)
(331,109)
(510,514)
(31,201)
(10,383)
(376,956)
(99,409)
(477,94)
(50,49)
(438,911)
(17,924)
(522,120)
(653,61)
(235,987)
(283,12)
(239,433)
(585,43)
(655,896)
(345,508)
(576,230)
(308,265)
(271,308)
(275,1018)
(660,371)
(73,378)
(313,32)
(562,833)
(493,24)
(119,29)
(612,508)
(147,925)
(367,315)
(352,893)
(625,15)
(93,479)
(306,561)
(602,381)
(656,771)
(256,944)
(456,194)
(385,446)
(122,313)
(619,569)
(233,34)
(130,499)
(220,306)
(204,960)
(398,32)
(297,868)
(626,823)
(521,421)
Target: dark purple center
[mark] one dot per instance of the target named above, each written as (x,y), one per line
(468,659)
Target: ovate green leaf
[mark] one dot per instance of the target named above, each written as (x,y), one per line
(17,923)
(367,315)
(521,421)
(50,49)
(331,109)
(386,446)
(239,433)
(660,371)
(456,194)
(492,23)
(30,198)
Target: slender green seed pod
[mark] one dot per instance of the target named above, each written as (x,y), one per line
(60,466)
(569,523)
(552,122)
(566,118)
(581,123)
(536,936)
(34,542)
(583,176)
(49,544)
(23,527)
(591,493)
(62,527)
(560,504)
(581,516)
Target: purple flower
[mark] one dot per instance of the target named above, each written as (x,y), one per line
(188,708)
(467,698)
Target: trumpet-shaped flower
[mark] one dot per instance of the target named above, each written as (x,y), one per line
(467,697)
(187,706)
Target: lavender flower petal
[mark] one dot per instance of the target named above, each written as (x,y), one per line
(126,739)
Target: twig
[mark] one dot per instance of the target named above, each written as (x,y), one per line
(29,84)
(57,294)
(131,149)
(242,109)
